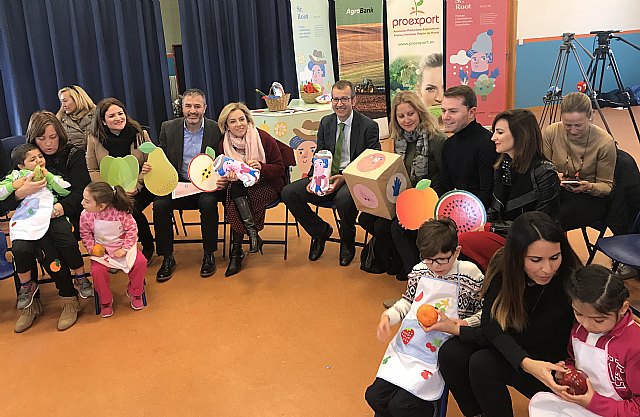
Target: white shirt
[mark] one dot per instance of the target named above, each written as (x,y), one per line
(345,156)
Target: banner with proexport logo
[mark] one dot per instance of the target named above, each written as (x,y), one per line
(415,32)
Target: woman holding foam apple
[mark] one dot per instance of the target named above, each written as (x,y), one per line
(418,139)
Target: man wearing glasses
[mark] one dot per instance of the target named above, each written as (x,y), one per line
(346,133)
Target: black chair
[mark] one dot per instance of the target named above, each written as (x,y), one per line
(623,249)
(6,146)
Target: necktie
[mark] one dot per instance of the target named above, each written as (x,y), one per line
(337,154)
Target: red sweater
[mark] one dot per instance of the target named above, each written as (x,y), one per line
(623,344)
(273,170)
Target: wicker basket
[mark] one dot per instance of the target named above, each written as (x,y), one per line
(277,104)
(310,98)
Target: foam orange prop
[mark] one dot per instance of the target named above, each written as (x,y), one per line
(427,315)
(97,250)
(415,206)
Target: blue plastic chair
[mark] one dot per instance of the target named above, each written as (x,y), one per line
(622,248)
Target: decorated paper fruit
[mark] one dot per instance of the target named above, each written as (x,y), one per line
(97,250)
(163,178)
(201,172)
(38,175)
(120,171)
(55,265)
(415,206)
(576,380)
(463,208)
(427,315)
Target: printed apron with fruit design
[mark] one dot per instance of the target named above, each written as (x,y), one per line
(592,361)
(411,359)
(32,217)
(108,234)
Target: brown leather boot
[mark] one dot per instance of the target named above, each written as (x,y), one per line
(69,316)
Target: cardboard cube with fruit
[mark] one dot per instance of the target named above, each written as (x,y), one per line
(375,179)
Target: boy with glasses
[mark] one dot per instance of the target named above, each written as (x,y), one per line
(408,379)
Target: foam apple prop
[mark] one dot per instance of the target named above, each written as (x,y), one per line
(427,315)
(97,250)
(576,380)
(201,171)
(38,175)
(414,206)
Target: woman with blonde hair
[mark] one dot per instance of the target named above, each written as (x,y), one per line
(585,157)
(417,138)
(76,114)
(245,206)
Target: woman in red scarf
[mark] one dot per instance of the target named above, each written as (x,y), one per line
(245,206)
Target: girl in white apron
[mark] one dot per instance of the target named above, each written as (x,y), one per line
(110,234)
(605,345)
(408,378)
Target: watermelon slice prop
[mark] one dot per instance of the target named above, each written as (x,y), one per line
(462,207)
(414,206)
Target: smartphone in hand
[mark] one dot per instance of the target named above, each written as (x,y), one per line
(570,183)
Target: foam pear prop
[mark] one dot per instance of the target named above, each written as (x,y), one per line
(201,172)
(163,177)
(122,171)
(38,175)
(414,206)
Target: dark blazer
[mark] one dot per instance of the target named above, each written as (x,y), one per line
(364,135)
(172,139)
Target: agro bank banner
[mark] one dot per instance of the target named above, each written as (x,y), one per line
(415,30)
(477,52)
(312,43)
(361,53)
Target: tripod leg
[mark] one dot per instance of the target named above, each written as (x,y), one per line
(625,94)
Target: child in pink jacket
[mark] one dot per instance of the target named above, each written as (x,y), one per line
(110,234)
(604,344)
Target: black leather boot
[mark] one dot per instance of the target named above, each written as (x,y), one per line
(255,242)
(235,254)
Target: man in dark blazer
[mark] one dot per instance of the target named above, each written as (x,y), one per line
(182,139)
(357,132)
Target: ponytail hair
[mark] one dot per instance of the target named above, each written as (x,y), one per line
(115,197)
(599,287)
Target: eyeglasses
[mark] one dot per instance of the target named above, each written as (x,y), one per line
(343,100)
(437,261)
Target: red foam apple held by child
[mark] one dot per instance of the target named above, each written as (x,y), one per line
(576,380)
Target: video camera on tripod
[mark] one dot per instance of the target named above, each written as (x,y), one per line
(592,78)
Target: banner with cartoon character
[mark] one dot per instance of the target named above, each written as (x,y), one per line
(361,53)
(414,31)
(375,179)
(312,43)
(477,51)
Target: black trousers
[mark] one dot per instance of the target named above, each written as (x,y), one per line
(389,400)
(46,251)
(478,376)
(296,197)
(386,255)
(65,241)
(140,202)
(405,242)
(580,209)
(163,208)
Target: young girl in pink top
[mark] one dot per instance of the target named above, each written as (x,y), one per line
(604,344)
(107,221)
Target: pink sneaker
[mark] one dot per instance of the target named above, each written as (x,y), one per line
(136,301)
(106,310)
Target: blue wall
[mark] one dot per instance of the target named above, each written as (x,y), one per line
(535,62)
